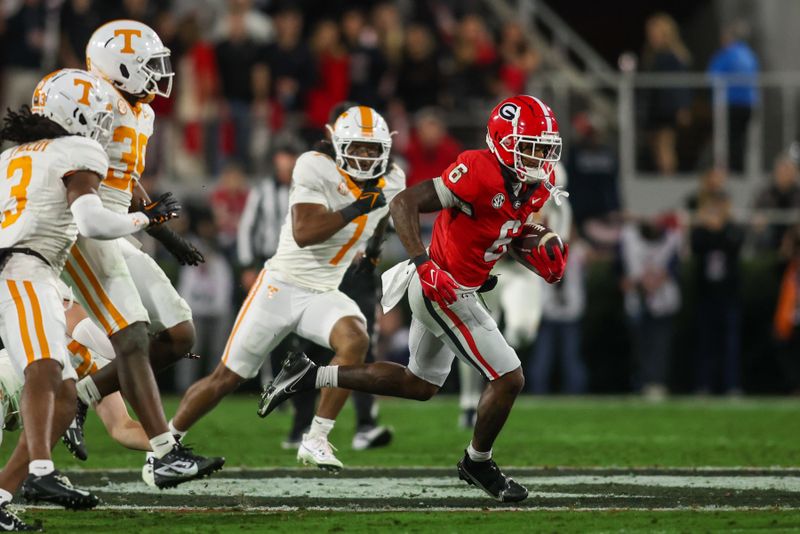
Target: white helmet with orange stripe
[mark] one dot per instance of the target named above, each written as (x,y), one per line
(132,57)
(362,142)
(75,100)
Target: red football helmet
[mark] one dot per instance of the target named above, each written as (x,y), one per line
(523,133)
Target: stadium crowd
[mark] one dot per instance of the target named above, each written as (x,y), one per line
(255,85)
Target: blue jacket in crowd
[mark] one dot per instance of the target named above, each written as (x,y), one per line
(739,59)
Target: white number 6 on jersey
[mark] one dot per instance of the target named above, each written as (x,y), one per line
(455,174)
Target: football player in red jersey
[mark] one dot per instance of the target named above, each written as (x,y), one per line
(484,198)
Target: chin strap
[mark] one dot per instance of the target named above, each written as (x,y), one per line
(556,192)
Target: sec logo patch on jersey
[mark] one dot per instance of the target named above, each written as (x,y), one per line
(498,201)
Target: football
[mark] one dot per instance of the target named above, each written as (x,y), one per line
(532,237)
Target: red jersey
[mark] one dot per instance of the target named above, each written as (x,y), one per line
(469,239)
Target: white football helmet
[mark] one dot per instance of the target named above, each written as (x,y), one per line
(132,57)
(361,124)
(76,100)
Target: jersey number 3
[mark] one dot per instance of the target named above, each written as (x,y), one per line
(19,191)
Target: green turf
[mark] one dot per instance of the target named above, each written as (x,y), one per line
(439,522)
(541,432)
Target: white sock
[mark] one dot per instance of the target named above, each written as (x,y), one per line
(88,392)
(478,456)
(328,376)
(321,427)
(162,444)
(41,468)
(176,432)
(5,496)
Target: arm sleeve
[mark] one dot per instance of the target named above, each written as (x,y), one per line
(307,181)
(97,222)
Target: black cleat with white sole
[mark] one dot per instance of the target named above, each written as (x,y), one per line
(10,522)
(488,477)
(181,465)
(55,488)
(297,374)
(73,438)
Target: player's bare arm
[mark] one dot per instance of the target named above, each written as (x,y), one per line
(405,210)
(315,223)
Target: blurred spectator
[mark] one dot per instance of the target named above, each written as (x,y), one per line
(368,66)
(265,212)
(559,336)
(255,25)
(782,194)
(665,108)
(736,58)
(431,149)
(593,168)
(716,243)
(24,41)
(390,29)
(652,298)
(787,314)
(475,57)
(713,184)
(141,10)
(227,204)
(518,60)
(419,75)
(197,92)
(333,75)
(207,289)
(79,19)
(237,56)
(290,62)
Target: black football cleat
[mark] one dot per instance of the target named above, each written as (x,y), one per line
(487,476)
(73,438)
(10,522)
(372,437)
(55,488)
(294,371)
(181,465)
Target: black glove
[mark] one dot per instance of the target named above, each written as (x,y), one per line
(371,198)
(184,251)
(489,284)
(160,210)
(360,276)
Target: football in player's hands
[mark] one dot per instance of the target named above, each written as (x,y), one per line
(534,236)
(541,250)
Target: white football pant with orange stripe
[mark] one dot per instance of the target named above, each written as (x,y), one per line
(97,273)
(32,323)
(464,329)
(275,308)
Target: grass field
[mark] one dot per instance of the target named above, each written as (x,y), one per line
(592,464)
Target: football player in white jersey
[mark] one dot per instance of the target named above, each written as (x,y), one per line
(336,202)
(122,288)
(50,195)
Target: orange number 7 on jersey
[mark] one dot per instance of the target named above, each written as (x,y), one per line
(133,159)
(18,191)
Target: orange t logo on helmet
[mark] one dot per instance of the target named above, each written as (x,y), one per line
(86,84)
(127,35)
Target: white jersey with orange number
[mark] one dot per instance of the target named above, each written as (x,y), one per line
(131,129)
(317,180)
(34,212)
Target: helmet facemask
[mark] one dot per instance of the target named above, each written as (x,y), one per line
(362,158)
(102,121)
(534,156)
(158,72)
